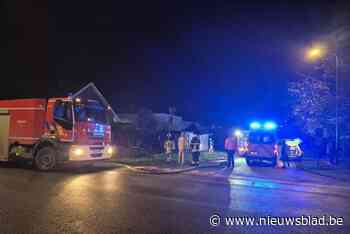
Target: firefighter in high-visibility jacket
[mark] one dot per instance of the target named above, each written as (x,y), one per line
(182,142)
(168,147)
(195,146)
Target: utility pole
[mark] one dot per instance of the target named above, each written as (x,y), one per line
(172,111)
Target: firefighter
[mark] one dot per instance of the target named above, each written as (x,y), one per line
(181,147)
(195,145)
(284,154)
(168,147)
(230,147)
(279,162)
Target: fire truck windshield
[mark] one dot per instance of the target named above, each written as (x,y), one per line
(88,113)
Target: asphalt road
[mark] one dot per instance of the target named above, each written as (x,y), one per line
(110,199)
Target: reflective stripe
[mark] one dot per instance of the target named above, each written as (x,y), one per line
(24,138)
(66,140)
(23,108)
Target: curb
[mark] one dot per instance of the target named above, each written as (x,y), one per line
(140,169)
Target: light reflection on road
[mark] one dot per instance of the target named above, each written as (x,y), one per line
(78,193)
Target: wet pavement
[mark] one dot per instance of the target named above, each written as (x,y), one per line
(293,174)
(112,199)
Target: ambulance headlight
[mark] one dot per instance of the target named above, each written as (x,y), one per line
(238,133)
(110,150)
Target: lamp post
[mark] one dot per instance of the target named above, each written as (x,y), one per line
(318,52)
(336,102)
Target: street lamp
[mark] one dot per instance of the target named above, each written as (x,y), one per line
(314,53)
(318,52)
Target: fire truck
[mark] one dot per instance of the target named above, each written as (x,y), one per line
(263,144)
(53,131)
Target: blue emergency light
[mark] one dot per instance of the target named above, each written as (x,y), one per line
(255,125)
(268,126)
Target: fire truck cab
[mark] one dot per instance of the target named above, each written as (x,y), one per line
(53,131)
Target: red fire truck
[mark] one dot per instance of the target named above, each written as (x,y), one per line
(53,131)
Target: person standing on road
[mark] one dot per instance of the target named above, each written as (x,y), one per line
(181,143)
(230,147)
(284,154)
(168,147)
(195,145)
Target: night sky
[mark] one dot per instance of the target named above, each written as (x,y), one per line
(215,61)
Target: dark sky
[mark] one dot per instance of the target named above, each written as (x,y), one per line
(215,61)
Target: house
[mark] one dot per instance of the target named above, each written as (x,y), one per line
(163,123)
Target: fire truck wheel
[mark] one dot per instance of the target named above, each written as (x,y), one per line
(45,159)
